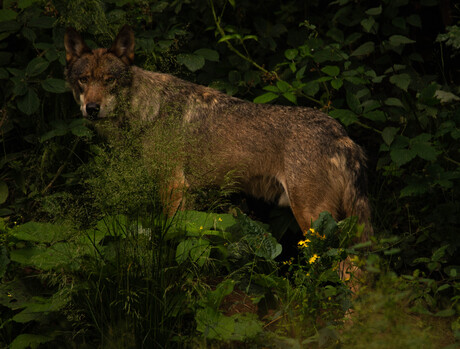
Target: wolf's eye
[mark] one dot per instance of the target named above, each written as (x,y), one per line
(83,80)
(109,80)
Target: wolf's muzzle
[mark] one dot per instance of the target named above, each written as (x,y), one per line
(92,109)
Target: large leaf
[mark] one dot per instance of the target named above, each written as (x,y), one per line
(388,134)
(7,15)
(29,103)
(346,117)
(325,224)
(402,156)
(364,49)
(54,85)
(397,40)
(331,70)
(57,256)
(192,61)
(401,80)
(27,340)
(266,97)
(40,232)
(36,66)
(197,250)
(208,54)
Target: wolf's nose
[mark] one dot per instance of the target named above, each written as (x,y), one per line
(92,109)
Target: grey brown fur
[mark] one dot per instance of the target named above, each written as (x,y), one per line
(295,156)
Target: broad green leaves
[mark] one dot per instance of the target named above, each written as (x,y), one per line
(196,60)
(364,49)
(29,102)
(54,85)
(78,127)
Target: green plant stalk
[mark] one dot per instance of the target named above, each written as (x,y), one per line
(232,48)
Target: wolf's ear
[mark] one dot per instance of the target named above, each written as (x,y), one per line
(74,45)
(123,46)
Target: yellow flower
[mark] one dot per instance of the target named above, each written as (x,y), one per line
(201,228)
(303,243)
(313,259)
(220,219)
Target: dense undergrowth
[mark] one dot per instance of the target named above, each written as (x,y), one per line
(87,259)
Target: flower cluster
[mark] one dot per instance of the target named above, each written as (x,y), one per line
(312,232)
(313,259)
(303,243)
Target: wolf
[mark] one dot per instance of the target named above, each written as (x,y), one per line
(294,156)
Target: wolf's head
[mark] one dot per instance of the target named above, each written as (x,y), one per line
(97,76)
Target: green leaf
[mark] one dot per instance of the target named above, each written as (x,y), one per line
(54,85)
(415,187)
(402,156)
(325,224)
(375,115)
(229,37)
(36,66)
(283,86)
(40,232)
(401,80)
(197,250)
(192,61)
(425,150)
(392,251)
(159,6)
(266,97)
(353,102)
(331,70)
(375,11)
(27,340)
(394,102)
(290,97)
(3,192)
(42,22)
(346,117)
(397,40)
(414,20)
(7,15)
(20,87)
(272,88)
(300,73)
(22,4)
(60,255)
(368,23)
(208,54)
(29,103)
(311,88)
(337,83)
(291,53)
(364,49)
